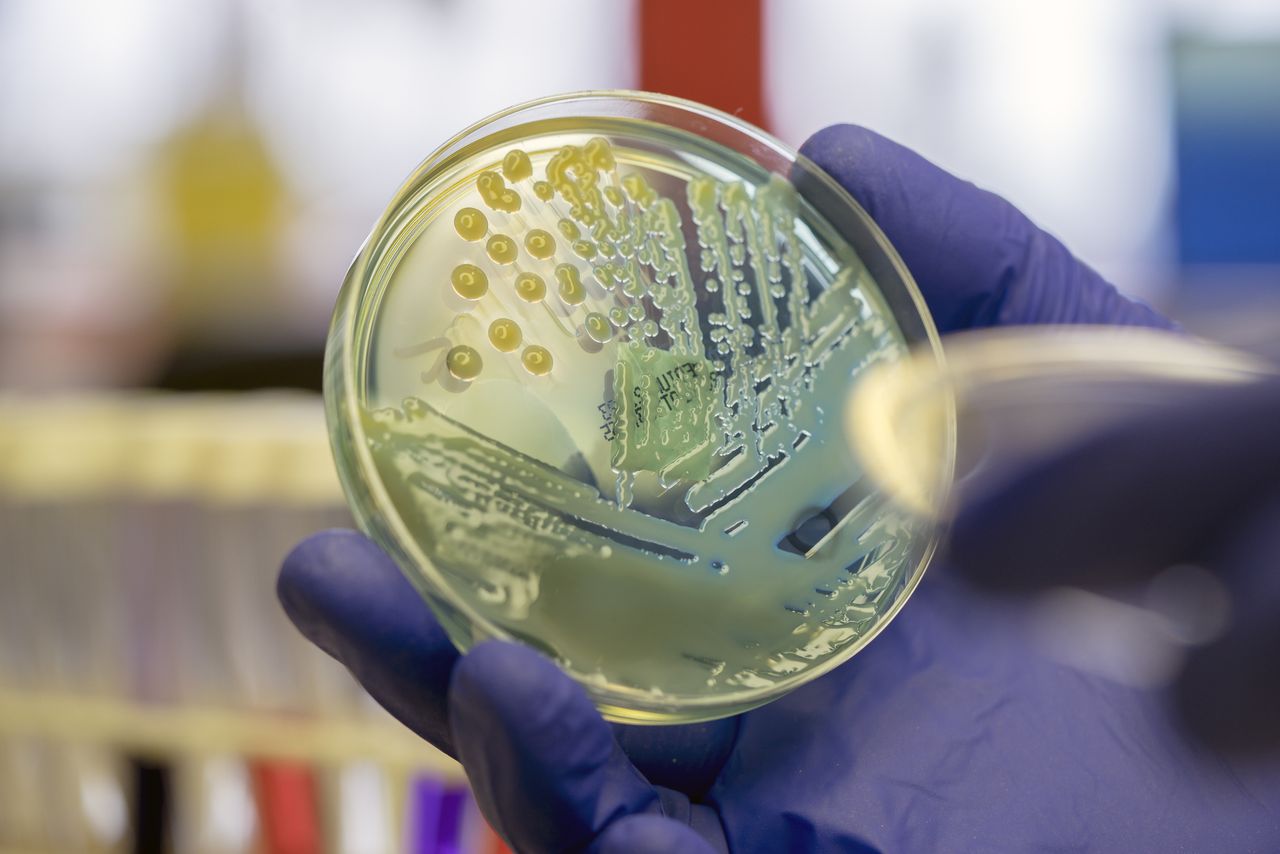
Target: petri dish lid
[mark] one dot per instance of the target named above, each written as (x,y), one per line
(584,384)
(1013,395)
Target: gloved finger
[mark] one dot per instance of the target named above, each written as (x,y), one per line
(649,834)
(1228,693)
(977,259)
(348,597)
(687,758)
(543,764)
(1127,502)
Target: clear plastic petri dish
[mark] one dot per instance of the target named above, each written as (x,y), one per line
(585,382)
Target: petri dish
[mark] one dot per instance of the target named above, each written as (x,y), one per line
(1015,395)
(585,381)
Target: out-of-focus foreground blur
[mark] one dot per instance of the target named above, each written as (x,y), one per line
(182,186)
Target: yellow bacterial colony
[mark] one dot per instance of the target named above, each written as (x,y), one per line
(613,228)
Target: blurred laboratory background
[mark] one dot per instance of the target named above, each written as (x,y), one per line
(182,186)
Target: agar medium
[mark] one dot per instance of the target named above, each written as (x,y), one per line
(585,381)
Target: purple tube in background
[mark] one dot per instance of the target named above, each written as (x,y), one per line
(434,817)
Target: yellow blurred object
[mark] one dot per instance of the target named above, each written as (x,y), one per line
(248,447)
(223,208)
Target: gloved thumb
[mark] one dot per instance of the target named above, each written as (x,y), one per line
(977,259)
(544,766)
(1123,504)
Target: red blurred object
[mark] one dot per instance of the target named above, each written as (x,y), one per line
(492,843)
(287,808)
(705,50)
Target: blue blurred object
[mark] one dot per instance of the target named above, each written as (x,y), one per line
(1227,144)
(948,733)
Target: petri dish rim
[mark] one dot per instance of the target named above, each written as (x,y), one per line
(366,494)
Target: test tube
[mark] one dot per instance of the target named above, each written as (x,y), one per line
(59,482)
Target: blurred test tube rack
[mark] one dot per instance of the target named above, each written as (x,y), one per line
(148,675)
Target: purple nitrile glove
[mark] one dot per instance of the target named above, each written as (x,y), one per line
(977,259)
(948,733)
(1194,482)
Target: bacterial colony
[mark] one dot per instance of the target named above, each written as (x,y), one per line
(603,395)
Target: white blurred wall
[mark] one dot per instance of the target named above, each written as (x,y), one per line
(347,96)
(1064,108)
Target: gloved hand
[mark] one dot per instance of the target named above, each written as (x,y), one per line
(948,733)
(1191,483)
